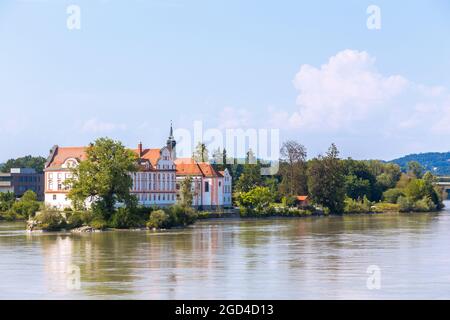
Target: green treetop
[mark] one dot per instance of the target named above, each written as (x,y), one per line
(104,177)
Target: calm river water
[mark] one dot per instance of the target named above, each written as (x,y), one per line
(296,258)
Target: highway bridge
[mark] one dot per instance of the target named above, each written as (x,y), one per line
(444,182)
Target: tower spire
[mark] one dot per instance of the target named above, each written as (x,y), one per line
(171,143)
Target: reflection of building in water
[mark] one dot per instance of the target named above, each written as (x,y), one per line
(58,263)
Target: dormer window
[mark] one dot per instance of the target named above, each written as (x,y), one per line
(70,163)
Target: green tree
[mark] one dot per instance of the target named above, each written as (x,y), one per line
(27,206)
(159,219)
(326,181)
(258,199)
(415,169)
(186,194)
(392,195)
(359,180)
(7,200)
(201,153)
(104,177)
(415,189)
(293,169)
(29,161)
(250,178)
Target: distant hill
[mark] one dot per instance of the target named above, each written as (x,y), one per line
(436,162)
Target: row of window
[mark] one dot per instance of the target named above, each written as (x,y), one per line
(145,197)
(29,179)
(165,186)
(59,184)
(153,176)
(59,175)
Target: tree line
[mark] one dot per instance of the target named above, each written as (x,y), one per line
(335,185)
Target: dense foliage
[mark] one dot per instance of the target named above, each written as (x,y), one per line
(123,218)
(436,162)
(326,181)
(36,163)
(24,208)
(334,185)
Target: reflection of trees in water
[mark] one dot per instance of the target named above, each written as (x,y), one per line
(307,247)
(168,264)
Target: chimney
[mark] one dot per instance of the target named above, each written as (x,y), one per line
(140,149)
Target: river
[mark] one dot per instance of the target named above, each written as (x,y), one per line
(404,256)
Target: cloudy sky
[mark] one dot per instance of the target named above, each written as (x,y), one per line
(312,69)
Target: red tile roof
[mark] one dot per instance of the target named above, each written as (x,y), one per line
(184,166)
(79,153)
(302,198)
(188,166)
(152,155)
(62,154)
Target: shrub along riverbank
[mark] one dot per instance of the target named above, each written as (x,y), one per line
(122,218)
(12,209)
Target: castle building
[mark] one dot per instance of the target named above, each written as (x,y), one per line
(156,183)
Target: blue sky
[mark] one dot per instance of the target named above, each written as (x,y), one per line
(310,68)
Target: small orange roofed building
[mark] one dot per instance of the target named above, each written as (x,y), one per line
(156,183)
(302,201)
(211,188)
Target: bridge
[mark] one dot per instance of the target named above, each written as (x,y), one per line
(444,183)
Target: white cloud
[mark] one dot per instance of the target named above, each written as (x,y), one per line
(95,126)
(345,89)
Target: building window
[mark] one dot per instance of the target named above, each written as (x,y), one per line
(54,197)
(220,183)
(206,186)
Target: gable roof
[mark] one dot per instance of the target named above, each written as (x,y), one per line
(190,167)
(61,154)
(152,155)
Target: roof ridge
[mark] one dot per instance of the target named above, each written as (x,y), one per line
(200,168)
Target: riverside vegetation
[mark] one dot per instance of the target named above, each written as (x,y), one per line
(333,186)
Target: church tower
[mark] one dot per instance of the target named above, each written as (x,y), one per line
(171,143)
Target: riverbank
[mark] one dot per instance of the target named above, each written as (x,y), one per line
(83,222)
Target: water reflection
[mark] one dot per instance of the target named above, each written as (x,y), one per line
(277,258)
